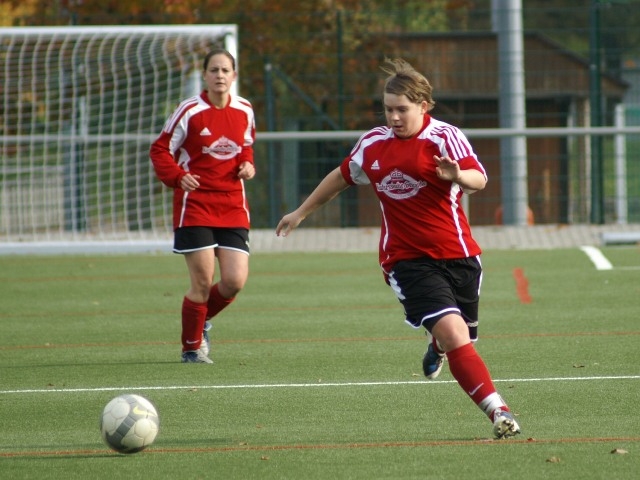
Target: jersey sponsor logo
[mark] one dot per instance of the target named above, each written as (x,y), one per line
(223,149)
(375,165)
(204,132)
(399,186)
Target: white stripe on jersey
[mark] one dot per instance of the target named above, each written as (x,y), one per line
(377,131)
(185,105)
(455,140)
(458,145)
(372,136)
(183,208)
(244,105)
(177,124)
(453,195)
(385,239)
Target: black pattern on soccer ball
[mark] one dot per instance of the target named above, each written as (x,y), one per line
(129,423)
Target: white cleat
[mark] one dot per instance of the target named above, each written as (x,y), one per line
(195,356)
(205,346)
(504,425)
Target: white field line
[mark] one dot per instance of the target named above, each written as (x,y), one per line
(597,257)
(308,385)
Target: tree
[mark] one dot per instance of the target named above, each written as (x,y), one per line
(327,47)
(331,49)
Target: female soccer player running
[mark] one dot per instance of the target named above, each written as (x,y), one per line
(205,152)
(419,168)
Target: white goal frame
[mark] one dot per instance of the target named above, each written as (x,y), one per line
(79,107)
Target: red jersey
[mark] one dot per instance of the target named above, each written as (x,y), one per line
(421,214)
(203,140)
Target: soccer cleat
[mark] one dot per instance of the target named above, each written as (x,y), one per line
(432,361)
(205,346)
(504,425)
(195,356)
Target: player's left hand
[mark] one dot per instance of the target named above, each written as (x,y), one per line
(447,169)
(246,171)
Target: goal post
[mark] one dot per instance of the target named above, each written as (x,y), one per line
(79,107)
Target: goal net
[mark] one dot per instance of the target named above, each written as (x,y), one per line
(79,108)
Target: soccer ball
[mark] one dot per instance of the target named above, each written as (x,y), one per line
(129,423)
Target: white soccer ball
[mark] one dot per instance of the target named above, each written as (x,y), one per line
(129,423)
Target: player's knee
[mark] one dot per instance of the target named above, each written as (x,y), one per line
(199,291)
(230,287)
(231,290)
(451,332)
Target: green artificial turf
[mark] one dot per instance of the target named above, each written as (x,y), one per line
(316,375)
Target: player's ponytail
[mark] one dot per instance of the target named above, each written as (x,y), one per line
(405,80)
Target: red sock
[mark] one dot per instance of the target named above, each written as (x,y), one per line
(468,368)
(217,302)
(193,318)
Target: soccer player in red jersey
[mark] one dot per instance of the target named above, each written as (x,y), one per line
(419,167)
(205,153)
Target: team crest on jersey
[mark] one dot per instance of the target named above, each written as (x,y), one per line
(399,185)
(222,149)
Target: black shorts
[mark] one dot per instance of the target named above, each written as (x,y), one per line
(191,239)
(430,289)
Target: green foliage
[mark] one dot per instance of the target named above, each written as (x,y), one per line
(315,42)
(316,375)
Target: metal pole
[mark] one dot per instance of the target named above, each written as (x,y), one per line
(271,126)
(512,110)
(595,103)
(340,72)
(620,147)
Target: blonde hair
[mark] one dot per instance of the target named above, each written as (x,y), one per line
(405,80)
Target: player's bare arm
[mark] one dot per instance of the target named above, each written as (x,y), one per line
(470,180)
(327,189)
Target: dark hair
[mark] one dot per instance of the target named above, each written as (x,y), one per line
(218,51)
(405,80)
